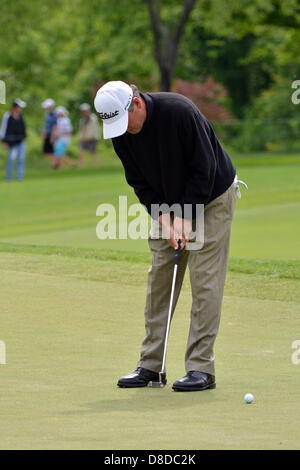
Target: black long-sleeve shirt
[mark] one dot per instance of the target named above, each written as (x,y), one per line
(12,131)
(176,157)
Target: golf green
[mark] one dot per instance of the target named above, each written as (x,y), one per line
(72,326)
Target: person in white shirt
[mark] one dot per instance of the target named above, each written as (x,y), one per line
(62,135)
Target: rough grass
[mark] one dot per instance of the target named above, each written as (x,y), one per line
(269,268)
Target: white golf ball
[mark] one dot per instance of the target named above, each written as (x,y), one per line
(248,398)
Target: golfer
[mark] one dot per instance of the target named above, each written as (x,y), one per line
(171,155)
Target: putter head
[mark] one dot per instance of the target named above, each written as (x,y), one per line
(161,383)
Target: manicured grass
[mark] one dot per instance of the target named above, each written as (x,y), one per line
(72,325)
(60,209)
(72,320)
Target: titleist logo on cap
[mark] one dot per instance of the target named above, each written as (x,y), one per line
(128,102)
(109,115)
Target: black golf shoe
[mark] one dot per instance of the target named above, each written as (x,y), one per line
(194,381)
(139,378)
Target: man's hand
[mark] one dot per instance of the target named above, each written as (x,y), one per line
(177,230)
(5,145)
(166,222)
(182,230)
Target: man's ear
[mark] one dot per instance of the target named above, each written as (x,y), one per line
(137,101)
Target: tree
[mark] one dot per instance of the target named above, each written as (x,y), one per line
(166,42)
(244,46)
(209,97)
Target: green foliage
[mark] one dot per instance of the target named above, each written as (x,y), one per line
(61,49)
(65,50)
(272,123)
(244,46)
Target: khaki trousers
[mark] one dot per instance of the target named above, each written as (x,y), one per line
(207,268)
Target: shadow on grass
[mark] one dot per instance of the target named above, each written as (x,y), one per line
(146,399)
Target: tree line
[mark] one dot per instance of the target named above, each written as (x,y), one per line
(63,49)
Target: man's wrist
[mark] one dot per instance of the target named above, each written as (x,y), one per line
(165,218)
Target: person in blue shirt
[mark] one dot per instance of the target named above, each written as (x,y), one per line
(49,130)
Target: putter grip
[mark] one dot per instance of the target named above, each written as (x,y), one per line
(177,252)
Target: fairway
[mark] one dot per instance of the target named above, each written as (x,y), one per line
(72,321)
(60,210)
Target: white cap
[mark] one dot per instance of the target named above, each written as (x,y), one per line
(48,103)
(20,103)
(112,102)
(61,110)
(84,107)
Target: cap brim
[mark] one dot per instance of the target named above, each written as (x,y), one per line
(115,128)
(21,105)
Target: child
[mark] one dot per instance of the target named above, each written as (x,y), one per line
(62,135)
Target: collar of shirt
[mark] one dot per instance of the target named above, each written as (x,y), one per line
(149,106)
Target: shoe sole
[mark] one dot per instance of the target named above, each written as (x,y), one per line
(132,385)
(194,389)
(151,384)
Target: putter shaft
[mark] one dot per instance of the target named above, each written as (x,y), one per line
(176,261)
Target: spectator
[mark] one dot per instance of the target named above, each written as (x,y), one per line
(89,134)
(62,136)
(13,134)
(49,129)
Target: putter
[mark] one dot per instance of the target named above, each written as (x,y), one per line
(162,373)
